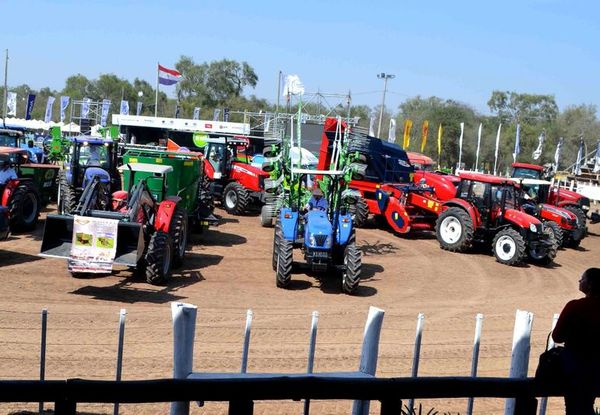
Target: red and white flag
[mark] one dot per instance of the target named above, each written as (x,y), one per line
(168,76)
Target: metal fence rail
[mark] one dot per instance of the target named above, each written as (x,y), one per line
(241,393)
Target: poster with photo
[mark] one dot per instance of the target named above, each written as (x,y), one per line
(94,244)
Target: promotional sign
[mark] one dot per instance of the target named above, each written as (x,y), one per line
(64,103)
(226,114)
(104,115)
(85,107)
(30,103)
(392,131)
(196,115)
(94,244)
(138,108)
(124,107)
(49,105)
(11,103)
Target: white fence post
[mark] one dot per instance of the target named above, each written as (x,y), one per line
(475,357)
(122,315)
(311,352)
(43,351)
(249,315)
(417,352)
(369,353)
(184,328)
(550,345)
(520,352)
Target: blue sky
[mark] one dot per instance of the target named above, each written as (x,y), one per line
(458,50)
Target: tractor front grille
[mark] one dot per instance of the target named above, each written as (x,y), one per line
(320,239)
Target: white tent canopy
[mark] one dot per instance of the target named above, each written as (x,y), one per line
(41,125)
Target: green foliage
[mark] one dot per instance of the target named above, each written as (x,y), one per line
(531,108)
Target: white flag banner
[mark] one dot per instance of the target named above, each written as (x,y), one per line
(517,143)
(537,153)
(196,115)
(478,145)
(497,146)
(460,143)
(392,131)
(64,103)
(557,153)
(267,123)
(293,86)
(85,107)
(49,105)
(216,114)
(11,104)
(597,158)
(124,107)
(104,114)
(372,126)
(138,108)
(577,167)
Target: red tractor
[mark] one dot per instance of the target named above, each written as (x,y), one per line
(568,199)
(231,176)
(486,209)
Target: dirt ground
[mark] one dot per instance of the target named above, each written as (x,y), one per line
(228,271)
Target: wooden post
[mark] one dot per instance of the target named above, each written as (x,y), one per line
(246,341)
(311,352)
(520,352)
(369,353)
(475,358)
(417,353)
(122,315)
(184,328)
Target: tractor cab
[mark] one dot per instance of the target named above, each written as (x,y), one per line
(16,137)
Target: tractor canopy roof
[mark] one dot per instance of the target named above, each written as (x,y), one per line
(13,150)
(528,166)
(158,169)
(14,131)
(82,139)
(484,178)
(420,161)
(531,182)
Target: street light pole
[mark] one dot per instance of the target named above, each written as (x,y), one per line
(385,77)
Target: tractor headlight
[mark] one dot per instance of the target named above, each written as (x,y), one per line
(532,227)
(312,241)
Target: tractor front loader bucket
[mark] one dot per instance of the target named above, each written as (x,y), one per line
(58,239)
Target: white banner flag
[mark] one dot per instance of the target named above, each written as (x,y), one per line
(104,114)
(138,108)
(460,143)
(293,86)
(392,131)
(49,105)
(517,143)
(85,107)
(557,153)
(196,115)
(64,103)
(478,145)
(597,158)
(11,104)
(124,107)
(497,146)
(372,126)
(577,167)
(537,153)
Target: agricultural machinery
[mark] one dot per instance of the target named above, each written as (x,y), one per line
(87,158)
(566,225)
(15,137)
(232,178)
(151,235)
(187,181)
(326,237)
(24,196)
(568,199)
(4,226)
(486,209)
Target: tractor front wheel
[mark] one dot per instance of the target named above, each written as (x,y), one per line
(509,247)
(545,256)
(67,197)
(454,230)
(285,259)
(179,235)
(581,225)
(352,269)
(556,231)
(359,212)
(235,198)
(24,208)
(159,258)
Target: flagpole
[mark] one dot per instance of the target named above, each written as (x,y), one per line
(5,88)
(156,98)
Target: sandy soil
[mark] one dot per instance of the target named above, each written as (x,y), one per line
(228,271)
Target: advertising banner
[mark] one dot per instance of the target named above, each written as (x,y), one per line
(94,244)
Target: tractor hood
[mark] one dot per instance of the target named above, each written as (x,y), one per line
(523,220)
(249,169)
(563,213)
(318,230)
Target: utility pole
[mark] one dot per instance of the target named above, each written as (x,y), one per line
(385,77)
(5,88)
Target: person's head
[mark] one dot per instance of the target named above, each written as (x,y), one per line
(589,283)
(317,192)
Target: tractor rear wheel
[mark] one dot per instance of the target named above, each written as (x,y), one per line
(352,268)
(235,198)
(545,256)
(454,230)
(285,259)
(359,212)
(159,258)
(581,224)
(179,234)
(509,247)
(67,199)
(276,238)
(556,230)
(24,207)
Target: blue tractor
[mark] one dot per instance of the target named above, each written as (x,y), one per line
(88,158)
(325,237)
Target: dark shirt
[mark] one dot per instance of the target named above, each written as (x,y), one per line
(320,204)
(579,328)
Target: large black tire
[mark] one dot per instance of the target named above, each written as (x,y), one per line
(179,234)
(509,247)
(454,230)
(285,259)
(556,231)
(24,208)
(581,224)
(235,198)
(67,195)
(205,197)
(547,255)
(352,268)
(276,238)
(159,258)
(359,212)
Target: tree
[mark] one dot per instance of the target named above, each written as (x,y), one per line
(530,108)
(77,87)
